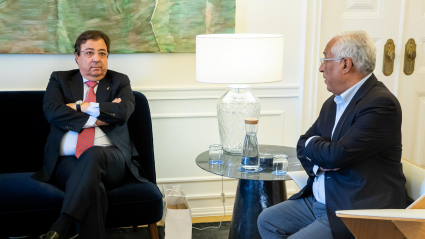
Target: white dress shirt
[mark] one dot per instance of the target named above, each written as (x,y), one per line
(342,101)
(69,139)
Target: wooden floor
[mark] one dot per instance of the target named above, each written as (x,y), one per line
(227,218)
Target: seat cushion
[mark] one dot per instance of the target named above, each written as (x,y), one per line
(29,206)
(21,193)
(134,203)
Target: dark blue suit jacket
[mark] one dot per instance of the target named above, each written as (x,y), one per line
(366,146)
(67,87)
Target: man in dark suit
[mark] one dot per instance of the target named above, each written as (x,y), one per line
(351,153)
(88,150)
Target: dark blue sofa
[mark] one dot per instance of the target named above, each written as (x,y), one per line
(29,207)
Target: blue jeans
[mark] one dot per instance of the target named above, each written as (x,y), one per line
(295,219)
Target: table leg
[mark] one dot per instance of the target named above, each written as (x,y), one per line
(252,197)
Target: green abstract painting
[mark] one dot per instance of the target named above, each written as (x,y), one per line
(52,26)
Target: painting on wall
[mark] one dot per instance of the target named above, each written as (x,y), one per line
(134,26)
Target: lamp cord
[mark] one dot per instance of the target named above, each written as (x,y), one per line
(223,200)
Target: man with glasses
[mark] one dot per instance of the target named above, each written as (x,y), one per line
(351,153)
(88,150)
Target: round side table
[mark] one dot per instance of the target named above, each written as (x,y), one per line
(256,191)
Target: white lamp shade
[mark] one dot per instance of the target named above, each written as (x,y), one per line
(239,58)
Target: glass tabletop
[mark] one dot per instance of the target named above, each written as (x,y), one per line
(233,162)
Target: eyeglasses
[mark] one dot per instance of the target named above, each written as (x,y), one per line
(322,60)
(90,54)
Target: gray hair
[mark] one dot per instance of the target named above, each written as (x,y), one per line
(358,46)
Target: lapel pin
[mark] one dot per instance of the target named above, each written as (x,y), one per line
(107,88)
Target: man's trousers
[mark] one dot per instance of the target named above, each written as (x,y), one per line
(295,219)
(85,181)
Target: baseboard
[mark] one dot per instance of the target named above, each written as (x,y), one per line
(211,211)
(219,211)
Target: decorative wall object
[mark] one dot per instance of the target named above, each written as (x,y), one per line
(134,26)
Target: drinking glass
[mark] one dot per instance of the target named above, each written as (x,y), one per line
(280,164)
(216,154)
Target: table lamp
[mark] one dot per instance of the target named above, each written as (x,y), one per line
(238,59)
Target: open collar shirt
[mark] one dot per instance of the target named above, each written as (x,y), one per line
(342,101)
(69,139)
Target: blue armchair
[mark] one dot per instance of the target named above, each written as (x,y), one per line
(30,207)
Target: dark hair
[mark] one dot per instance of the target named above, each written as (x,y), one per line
(90,35)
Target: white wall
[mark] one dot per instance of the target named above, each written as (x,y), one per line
(183,110)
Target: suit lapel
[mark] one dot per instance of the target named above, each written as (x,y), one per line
(358,96)
(103,89)
(77,88)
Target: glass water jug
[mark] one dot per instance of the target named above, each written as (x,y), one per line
(250,161)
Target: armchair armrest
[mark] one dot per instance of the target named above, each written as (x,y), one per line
(385,214)
(385,223)
(299,177)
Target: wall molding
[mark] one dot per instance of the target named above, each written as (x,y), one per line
(190,88)
(192,179)
(418,135)
(214,97)
(222,87)
(352,5)
(196,199)
(218,211)
(423,11)
(210,196)
(399,49)
(356,5)
(422,68)
(215,92)
(379,51)
(302,62)
(313,14)
(290,192)
(206,115)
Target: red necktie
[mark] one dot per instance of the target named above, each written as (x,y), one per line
(86,137)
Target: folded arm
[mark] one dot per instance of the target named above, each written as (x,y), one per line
(371,132)
(93,121)
(307,164)
(118,113)
(57,112)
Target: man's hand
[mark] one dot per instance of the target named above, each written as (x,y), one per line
(86,105)
(327,170)
(72,106)
(101,123)
(83,106)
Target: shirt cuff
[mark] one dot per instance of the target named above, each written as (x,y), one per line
(93,109)
(315,169)
(308,140)
(91,122)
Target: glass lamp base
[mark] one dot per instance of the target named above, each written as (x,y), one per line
(233,107)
